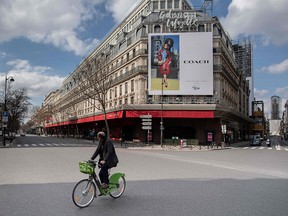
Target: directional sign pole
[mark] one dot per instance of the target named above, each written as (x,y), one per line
(148,136)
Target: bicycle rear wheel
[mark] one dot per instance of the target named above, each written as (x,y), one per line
(84,193)
(119,189)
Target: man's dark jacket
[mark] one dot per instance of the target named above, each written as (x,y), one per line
(106,151)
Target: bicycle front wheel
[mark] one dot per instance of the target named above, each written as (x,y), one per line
(84,193)
(119,189)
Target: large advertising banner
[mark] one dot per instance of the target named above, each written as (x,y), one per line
(180,63)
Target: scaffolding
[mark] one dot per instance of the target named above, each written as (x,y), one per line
(207,7)
(243,56)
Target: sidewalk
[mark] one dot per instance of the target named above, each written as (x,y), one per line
(143,146)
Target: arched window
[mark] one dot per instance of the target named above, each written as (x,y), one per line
(157,29)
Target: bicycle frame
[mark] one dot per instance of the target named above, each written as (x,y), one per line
(113,182)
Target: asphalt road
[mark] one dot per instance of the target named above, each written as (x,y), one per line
(238,181)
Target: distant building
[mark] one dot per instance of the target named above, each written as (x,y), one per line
(284,122)
(275,107)
(275,127)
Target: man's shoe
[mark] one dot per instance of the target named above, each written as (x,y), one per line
(104,186)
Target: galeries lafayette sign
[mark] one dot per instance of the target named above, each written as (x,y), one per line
(178,18)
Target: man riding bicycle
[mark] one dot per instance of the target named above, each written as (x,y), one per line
(108,157)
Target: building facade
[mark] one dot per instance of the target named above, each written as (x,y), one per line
(275,107)
(125,61)
(284,122)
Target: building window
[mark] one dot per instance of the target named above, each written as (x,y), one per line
(169,4)
(132,85)
(120,90)
(134,53)
(132,100)
(155,5)
(120,102)
(157,29)
(201,28)
(126,87)
(162,4)
(176,4)
(110,94)
(115,92)
(126,101)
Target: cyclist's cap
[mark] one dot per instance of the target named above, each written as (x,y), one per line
(101,134)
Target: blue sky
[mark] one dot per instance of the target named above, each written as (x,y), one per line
(41,42)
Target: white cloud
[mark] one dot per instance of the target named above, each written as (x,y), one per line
(264,18)
(260,93)
(277,68)
(38,80)
(52,22)
(282,92)
(121,8)
(2,54)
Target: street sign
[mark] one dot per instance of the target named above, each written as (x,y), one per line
(146,123)
(147,119)
(5,116)
(145,116)
(146,127)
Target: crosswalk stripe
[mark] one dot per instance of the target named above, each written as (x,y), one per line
(34,145)
(26,145)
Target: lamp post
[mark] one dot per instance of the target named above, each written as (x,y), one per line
(161,122)
(11,79)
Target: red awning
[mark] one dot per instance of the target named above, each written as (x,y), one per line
(111,115)
(171,113)
(138,113)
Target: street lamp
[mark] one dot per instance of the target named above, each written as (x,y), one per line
(5,115)
(161,122)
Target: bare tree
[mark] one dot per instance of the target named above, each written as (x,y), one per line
(94,84)
(18,105)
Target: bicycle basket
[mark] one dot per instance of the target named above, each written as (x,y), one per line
(86,167)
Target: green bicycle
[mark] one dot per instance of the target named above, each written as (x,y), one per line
(85,190)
